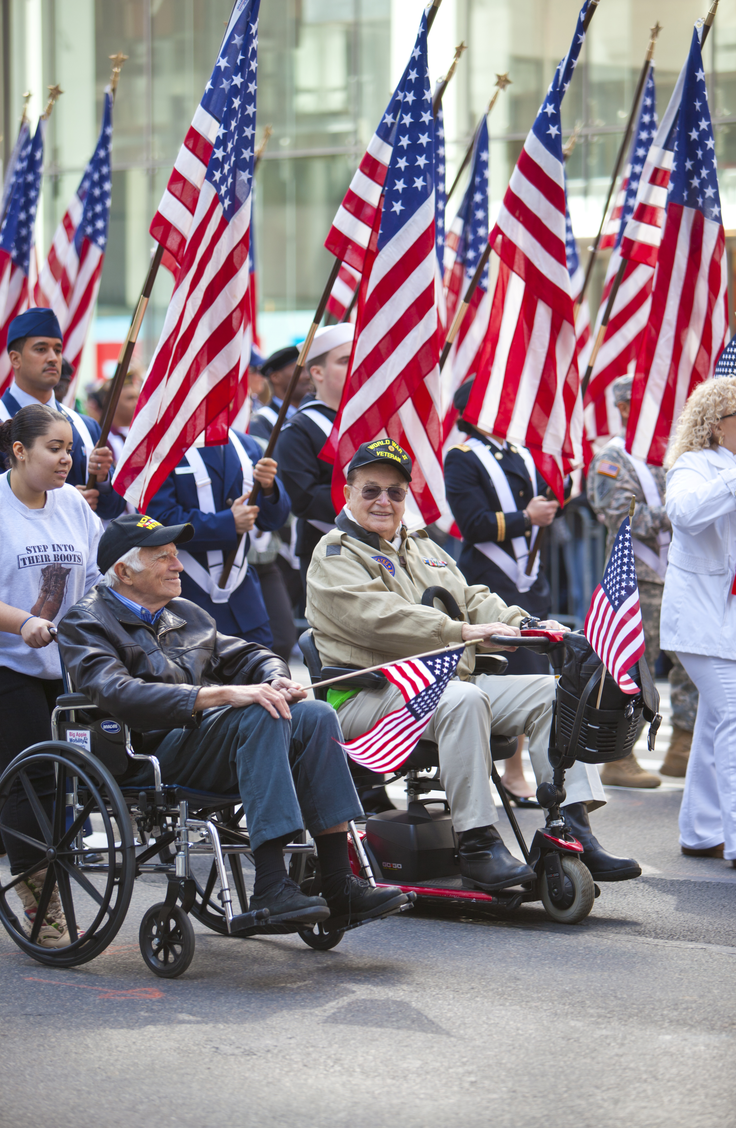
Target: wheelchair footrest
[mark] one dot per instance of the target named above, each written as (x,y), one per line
(344,924)
(249,920)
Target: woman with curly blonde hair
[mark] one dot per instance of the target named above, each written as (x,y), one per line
(699,608)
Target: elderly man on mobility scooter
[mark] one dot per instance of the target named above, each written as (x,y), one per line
(221,715)
(364,592)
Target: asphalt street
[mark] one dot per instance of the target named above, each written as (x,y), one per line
(425,1020)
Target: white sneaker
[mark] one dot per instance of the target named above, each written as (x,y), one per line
(53,933)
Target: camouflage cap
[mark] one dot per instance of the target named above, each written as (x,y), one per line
(622,389)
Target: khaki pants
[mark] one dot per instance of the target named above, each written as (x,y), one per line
(461,727)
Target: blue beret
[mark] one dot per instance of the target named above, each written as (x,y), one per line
(35,323)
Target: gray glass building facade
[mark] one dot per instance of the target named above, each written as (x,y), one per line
(326,71)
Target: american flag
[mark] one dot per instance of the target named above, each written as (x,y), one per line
(421,683)
(440,206)
(195,381)
(11,172)
(726,363)
(69,280)
(613,626)
(464,245)
(393,384)
(16,241)
(618,352)
(527,387)
(688,323)
(343,291)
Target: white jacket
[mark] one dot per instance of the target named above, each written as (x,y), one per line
(698,610)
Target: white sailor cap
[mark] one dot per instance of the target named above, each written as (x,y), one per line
(330,337)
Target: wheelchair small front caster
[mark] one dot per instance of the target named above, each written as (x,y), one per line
(316,937)
(576,896)
(166,940)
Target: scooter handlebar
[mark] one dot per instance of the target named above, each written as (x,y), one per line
(542,641)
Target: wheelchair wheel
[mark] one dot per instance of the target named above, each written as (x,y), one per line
(316,937)
(89,880)
(578,894)
(166,940)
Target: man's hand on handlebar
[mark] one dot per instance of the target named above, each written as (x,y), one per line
(479,632)
(36,632)
(553,625)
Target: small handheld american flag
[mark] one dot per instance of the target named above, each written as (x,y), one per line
(421,683)
(614,625)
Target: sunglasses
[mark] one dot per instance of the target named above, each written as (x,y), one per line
(395,493)
(731,416)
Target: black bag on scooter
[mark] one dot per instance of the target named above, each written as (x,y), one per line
(598,733)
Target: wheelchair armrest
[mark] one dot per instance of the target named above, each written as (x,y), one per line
(490,663)
(374,680)
(73,701)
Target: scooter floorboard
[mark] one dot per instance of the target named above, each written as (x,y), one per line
(450,889)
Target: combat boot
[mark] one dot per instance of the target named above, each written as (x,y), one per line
(628,773)
(678,754)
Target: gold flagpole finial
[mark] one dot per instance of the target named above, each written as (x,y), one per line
(653,33)
(55,93)
(502,81)
(117,61)
(267,131)
(453,65)
(26,99)
(569,146)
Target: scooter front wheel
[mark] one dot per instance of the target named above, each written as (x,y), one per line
(578,893)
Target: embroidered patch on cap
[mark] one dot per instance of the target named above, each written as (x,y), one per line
(609,469)
(148,523)
(387,564)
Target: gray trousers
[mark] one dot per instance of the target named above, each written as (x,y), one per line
(462,723)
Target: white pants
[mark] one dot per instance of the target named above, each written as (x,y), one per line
(708,811)
(461,726)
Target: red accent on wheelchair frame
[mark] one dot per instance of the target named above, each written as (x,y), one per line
(566,843)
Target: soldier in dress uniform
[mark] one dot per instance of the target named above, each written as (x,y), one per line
(498,500)
(278,369)
(209,490)
(34,346)
(612,479)
(307,478)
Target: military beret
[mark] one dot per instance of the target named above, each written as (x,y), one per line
(282,358)
(40,322)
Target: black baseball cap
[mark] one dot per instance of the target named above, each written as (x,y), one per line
(382,450)
(282,358)
(133,530)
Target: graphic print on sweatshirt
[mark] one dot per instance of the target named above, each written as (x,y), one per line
(55,562)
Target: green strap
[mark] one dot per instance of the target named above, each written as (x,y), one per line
(338,697)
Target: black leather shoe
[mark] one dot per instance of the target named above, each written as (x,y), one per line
(359,900)
(603,866)
(286,902)
(486,864)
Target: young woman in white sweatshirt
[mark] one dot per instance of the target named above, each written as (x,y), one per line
(48,561)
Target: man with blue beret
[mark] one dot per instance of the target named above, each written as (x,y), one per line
(34,347)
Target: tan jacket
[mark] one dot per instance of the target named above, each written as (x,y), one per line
(364,599)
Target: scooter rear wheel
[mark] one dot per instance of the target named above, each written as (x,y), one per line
(579,893)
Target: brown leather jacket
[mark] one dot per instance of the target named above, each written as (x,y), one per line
(148,676)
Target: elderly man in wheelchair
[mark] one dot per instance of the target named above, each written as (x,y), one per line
(367,601)
(215,715)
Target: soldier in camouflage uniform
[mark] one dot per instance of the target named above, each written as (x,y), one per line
(612,479)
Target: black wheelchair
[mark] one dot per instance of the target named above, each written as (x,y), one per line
(96,836)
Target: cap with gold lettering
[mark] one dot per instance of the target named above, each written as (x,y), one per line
(382,450)
(134,530)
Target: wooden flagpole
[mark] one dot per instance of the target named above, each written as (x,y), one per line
(623,148)
(502,81)
(381,665)
(707,24)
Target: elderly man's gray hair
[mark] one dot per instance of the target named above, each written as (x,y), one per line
(132,560)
